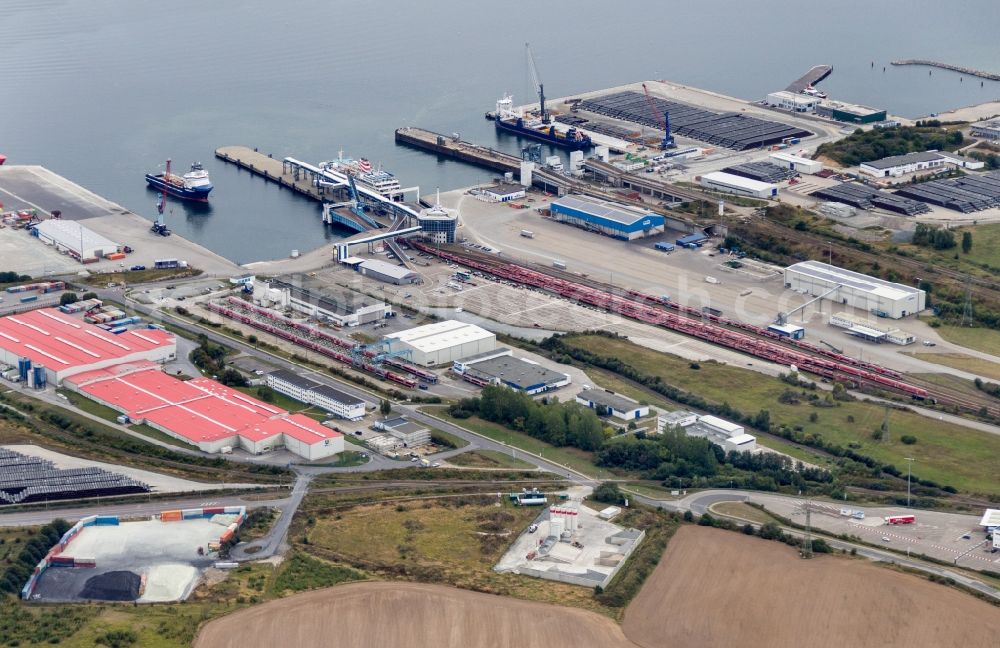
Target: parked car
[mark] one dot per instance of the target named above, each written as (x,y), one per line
(138,267)
(532,528)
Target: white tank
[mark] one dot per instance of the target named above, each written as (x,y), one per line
(526,170)
(556,527)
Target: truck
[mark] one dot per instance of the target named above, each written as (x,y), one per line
(29,298)
(665,247)
(561,265)
(527,234)
(425,464)
(166,263)
(901,519)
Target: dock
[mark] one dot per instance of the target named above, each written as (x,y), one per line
(457,149)
(816,74)
(953,68)
(274,170)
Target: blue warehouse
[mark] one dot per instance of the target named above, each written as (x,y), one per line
(609,218)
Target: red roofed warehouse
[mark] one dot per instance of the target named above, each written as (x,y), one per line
(205,413)
(67,346)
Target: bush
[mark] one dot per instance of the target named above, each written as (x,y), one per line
(67,298)
(609,493)
(908,439)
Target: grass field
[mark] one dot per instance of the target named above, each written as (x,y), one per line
(964,362)
(139,276)
(149,431)
(742,511)
(446,440)
(81,402)
(947,453)
(985,245)
(454,541)
(616,383)
(488,459)
(345,459)
(980,339)
(574,458)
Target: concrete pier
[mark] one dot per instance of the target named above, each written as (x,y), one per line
(816,74)
(457,149)
(267,167)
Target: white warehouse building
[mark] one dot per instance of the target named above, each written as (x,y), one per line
(870,294)
(734,184)
(443,343)
(796,163)
(72,237)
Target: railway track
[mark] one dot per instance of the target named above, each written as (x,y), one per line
(963,400)
(715,329)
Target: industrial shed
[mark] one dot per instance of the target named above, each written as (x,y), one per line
(388,272)
(869,294)
(734,184)
(71,236)
(609,218)
(443,342)
(796,163)
(345,308)
(500,367)
(617,405)
(64,346)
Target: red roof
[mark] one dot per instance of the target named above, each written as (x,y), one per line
(197,410)
(60,342)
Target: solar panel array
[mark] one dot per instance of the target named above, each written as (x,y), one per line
(730,130)
(966,194)
(762,171)
(863,197)
(24,478)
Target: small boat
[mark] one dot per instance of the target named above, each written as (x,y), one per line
(193,185)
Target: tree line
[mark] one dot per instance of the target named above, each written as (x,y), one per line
(19,570)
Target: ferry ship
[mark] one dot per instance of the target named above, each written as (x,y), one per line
(377,179)
(507,120)
(193,185)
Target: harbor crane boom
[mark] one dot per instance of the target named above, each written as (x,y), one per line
(537,83)
(668,139)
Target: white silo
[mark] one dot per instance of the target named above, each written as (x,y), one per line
(556,527)
(526,170)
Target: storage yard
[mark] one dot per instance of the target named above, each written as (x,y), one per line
(570,543)
(161,559)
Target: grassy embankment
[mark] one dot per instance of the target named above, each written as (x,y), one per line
(946,453)
(963,362)
(980,339)
(579,460)
(488,459)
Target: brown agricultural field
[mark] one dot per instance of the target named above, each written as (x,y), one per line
(409,615)
(712,588)
(719,588)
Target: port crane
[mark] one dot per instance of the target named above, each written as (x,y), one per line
(537,83)
(668,139)
(160,227)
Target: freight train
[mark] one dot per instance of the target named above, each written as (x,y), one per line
(712,328)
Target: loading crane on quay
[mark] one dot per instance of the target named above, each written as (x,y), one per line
(537,83)
(668,139)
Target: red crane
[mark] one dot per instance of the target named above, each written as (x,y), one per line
(668,140)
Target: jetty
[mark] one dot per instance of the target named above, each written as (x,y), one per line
(815,74)
(948,66)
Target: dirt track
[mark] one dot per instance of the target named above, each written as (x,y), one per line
(755,588)
(712,588)
(409,615)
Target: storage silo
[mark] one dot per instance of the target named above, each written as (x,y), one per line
(556,527)
(23,367)
(39,382)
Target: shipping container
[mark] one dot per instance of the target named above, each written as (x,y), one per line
(527,234)
(119,330)
(559,264)
(166,263)
(29,298)
(170,516)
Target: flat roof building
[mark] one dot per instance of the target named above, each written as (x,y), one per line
(502,192)
(309,391)
(344,307)
(609,218)
(897,165)
(616,405)
(66,346)
(205,413)
(730,436)
(734,184)
(852,113)
(388,272)
(870,294)
(987,129)
(796,163)
(80,242)
(406,432)
(793,101)
(501,368)
(443,342)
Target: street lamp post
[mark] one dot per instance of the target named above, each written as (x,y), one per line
(909,471)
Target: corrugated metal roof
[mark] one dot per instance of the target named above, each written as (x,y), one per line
(604,209)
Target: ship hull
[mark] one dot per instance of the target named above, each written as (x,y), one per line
(199,194)
(544,136)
